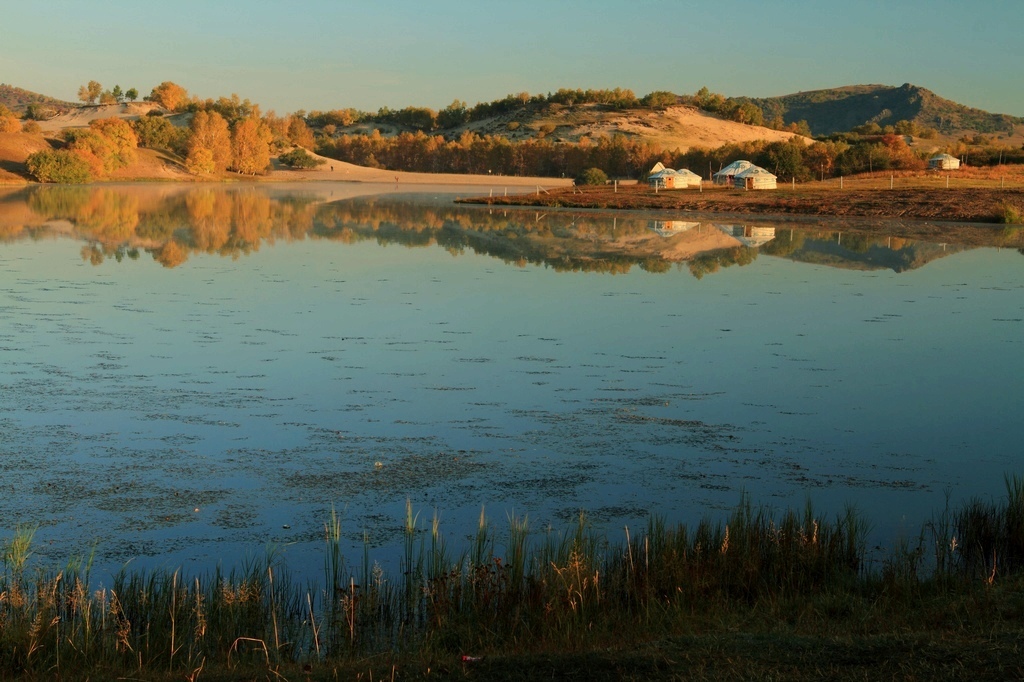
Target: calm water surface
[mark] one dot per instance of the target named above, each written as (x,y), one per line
(191,376)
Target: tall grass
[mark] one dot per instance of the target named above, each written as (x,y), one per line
(549,590)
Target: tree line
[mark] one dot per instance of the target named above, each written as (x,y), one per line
(626,157)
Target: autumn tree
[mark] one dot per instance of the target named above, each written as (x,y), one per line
(250,146)
(299,133)
(122,138)
(8,121)
(200,161)
(169,95)
(90,92)
(232,108)
(209,143)
(92,147)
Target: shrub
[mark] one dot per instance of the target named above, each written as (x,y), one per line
(61,166)
(300,158)
(1011,215)
(592,176)
(30,127)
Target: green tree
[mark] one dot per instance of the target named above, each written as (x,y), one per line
(132,94)
(747,112)
(118,95)
(659,99)
(90,92)
(300,158)
(592,176)
(155,132)
(785,159)
(61,166)
(453,115)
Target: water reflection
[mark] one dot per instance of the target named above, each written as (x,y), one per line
(174,223)
(202,412)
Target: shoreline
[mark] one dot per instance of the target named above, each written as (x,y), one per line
(955,205)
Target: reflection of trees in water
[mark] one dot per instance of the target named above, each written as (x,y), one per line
(856,251)
(712,261)
(233,222)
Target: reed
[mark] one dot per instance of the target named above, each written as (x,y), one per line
(555,591)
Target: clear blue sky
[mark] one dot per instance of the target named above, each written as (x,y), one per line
(328,54)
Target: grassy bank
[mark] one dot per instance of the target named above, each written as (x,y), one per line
(759,596)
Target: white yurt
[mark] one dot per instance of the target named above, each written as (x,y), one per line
(667,178)
(725,176)
(944,162)
(692,179)
(754,177)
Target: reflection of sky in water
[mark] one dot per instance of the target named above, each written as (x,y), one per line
(263,391)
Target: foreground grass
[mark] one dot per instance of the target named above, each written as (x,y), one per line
(758,597)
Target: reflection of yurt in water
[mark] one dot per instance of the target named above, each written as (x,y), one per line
(667,228)
(749,235)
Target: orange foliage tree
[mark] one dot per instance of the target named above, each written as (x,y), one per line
(8,121)
(250,146)
(169,95)
(209,144)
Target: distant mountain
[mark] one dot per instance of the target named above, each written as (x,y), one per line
(18,99)
(838,110)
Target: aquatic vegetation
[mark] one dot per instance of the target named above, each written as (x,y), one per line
(550,590)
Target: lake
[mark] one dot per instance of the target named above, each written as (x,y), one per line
(194,374)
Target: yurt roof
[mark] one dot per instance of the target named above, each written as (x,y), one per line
(754,170)
(735,167)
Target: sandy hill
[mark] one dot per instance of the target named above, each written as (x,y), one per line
(672,128)
(81,116)
(678,127)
